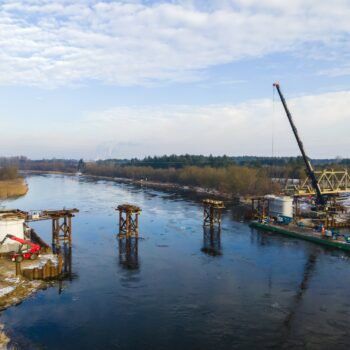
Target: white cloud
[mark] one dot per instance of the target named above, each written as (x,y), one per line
(245,128)
(52,43)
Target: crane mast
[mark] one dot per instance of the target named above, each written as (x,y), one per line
(310,171)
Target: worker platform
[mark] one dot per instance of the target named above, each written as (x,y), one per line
(38,215)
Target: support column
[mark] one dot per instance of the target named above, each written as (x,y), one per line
(61,232)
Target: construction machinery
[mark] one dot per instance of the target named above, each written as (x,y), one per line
(320,199)
(326,186)
(27,249)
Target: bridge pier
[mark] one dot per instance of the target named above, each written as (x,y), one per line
(128,219)
(212,212)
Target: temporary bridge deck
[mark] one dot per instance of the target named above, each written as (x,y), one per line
(61,221)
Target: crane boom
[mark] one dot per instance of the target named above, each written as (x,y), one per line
(310,171)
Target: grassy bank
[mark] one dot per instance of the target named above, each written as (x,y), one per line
(11,183)
(13,188)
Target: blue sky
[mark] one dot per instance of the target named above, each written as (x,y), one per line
(98,79)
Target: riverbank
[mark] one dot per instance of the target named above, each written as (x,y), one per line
(13,188)
(4,339)
(15,289)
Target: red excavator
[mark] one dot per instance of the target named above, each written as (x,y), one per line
(27,250)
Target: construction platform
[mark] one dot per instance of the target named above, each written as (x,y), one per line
(305,234)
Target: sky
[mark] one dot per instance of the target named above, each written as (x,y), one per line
(119,79)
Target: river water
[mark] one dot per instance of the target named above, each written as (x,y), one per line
(178,286)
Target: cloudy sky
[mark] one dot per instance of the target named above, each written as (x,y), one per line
(97,79)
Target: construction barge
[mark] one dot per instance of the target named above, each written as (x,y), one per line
(326,217)
(306,234)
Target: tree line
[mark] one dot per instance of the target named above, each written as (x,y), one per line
(244,174)
(24,163)
(232,179)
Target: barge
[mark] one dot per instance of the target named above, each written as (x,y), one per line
(302,233)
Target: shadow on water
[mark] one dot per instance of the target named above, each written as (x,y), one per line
(212,241)
(290,319)
(304,284)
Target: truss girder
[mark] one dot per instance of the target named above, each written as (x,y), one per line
(330,182)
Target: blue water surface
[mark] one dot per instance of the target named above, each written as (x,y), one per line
(178,286)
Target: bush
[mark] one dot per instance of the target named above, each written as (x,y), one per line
(9,173)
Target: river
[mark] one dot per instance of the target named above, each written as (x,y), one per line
(180,287)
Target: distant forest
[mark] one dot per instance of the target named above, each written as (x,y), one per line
(243,175)
(174,161)
(181,161)
(23,163)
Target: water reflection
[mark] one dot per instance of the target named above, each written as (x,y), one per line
(212,241)
(67,261)
(67,271)
(129,252)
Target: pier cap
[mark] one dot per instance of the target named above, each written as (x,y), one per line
(214,203)
(129,208)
